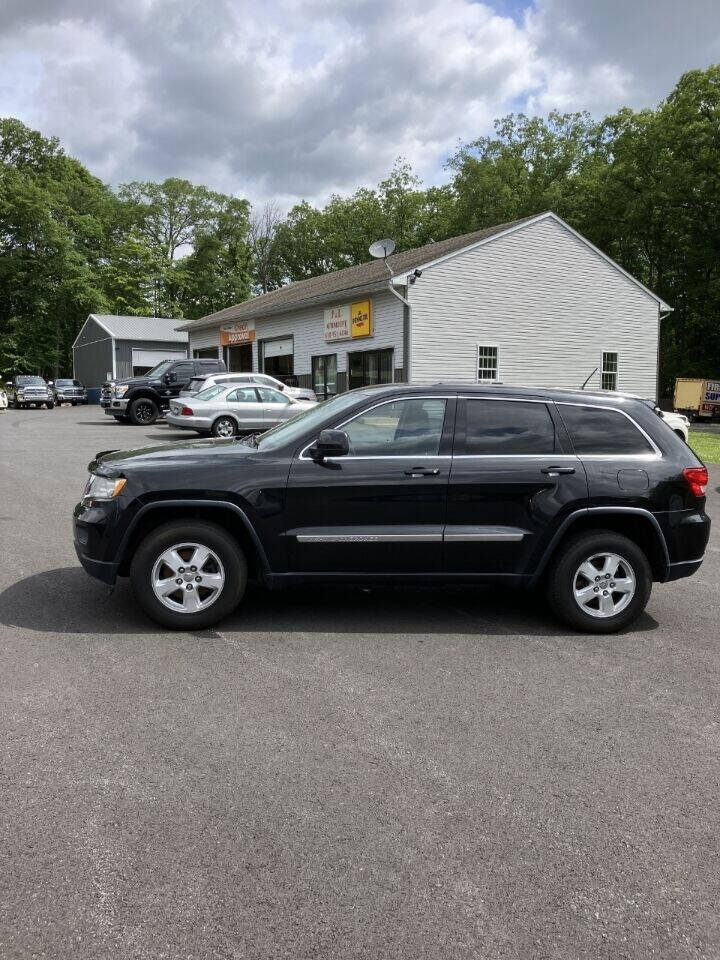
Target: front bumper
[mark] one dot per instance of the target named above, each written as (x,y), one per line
(71,398)
(117,408)
(94,537)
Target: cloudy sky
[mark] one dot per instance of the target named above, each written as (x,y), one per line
(300,98)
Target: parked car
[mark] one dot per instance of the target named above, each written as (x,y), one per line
(591,495)
(30,391)
(677,422)
(69,391)
(225,410)
(3,401)
(141,400)
(262,379)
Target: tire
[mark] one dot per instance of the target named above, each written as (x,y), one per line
(182,537)
(565,577)
(224,427)
(50,406)
(143,412)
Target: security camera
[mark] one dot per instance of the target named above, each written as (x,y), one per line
(417,273)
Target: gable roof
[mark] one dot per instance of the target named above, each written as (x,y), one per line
(141,328)
(374,275)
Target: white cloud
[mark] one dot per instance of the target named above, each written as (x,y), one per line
(299,99)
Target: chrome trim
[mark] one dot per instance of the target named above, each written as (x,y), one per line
(683,563)
(369,538)
(482,534)
(516,456)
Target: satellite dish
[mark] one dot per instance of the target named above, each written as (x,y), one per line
(382,249)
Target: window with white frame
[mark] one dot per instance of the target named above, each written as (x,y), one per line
(609,378)
(487,364)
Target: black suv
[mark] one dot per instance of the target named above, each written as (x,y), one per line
(593,495)
(142,399)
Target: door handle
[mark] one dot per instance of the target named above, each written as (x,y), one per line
(422,472)
(557,471)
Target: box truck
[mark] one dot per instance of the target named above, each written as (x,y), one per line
(697,399)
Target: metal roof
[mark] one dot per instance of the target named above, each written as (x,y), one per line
(162,329)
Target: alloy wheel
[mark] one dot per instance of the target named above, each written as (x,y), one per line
(188,577)
(144,412)
(224,428)
(604,585)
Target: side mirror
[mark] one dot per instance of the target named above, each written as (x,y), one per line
(330,443)
(170,377)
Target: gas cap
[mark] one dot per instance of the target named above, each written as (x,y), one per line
(633,481)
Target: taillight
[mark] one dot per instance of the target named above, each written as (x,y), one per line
(186,412)
(697,478)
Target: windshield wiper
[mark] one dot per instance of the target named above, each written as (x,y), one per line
(250,439)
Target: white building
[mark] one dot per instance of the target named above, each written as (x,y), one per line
(528,303)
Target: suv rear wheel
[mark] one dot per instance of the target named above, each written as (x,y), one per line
(143,412)
(188,575)
(599,582)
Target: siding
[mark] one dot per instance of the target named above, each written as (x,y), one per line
(307,327)
(92,361)
(124,349)
(90,332)
(550,304)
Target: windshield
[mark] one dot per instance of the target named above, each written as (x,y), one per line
(30,382)
(314,416)
(68,383)
(210,392)
(160,369)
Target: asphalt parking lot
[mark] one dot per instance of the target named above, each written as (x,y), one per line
(335,773)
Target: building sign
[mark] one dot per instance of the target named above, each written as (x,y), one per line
(361,319)
(712,390)
(241,332)
(349,322)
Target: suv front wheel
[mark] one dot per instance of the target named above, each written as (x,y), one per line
(188,575)
(599,582)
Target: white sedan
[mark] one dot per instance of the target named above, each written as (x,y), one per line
(679,423)
(3,401)
(226,410)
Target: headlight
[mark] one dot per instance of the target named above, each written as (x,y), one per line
(20,392)
(121,391)
(103,488)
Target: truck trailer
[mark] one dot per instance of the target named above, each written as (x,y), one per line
(697,399)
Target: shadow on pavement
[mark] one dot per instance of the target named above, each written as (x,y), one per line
(68,601)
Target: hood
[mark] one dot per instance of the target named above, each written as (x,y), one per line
(112,463)
(132,381)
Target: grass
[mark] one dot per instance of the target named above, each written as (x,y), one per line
(706,446)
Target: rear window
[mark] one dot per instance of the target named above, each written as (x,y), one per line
(508,427)
(594,430)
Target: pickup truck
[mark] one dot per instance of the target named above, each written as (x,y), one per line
(141,400)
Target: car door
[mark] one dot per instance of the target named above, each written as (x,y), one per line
(514,478)
(381,508)
(246,407)
(276,406)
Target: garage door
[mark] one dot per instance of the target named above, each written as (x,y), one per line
(278,348)
(148,358)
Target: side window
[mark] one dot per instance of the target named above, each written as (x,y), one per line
(508,427)
(268,395)
(183,371)
(599,431)
(411,427)
(243,395)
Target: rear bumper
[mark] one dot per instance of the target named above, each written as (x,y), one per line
(199,424)
(685,568)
